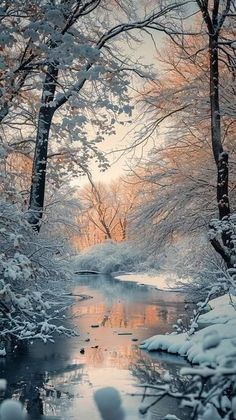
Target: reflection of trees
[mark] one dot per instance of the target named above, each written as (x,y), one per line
(44,393)
(163,314)
(150,371)
(120,357)
(30,395)
(119,304)
(28,392)
(124,356)
(145,370)
(153,372)
(95,357)
(56,391)
(29,382)
(126,314)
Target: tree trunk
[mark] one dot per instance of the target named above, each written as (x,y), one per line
(123,226)
(221,157)
(222,186)
(107,230)
(214,98)
(37,193)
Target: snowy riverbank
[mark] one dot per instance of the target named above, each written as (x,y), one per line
(209,345)
(159,281)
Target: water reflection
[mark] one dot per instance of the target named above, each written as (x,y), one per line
(152,372)
(61,379)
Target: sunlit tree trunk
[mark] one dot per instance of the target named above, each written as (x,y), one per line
(123,226)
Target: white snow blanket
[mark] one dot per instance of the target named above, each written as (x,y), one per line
(222,311)
(208,345)
(159,281)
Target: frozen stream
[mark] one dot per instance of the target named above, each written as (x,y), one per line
(61,379)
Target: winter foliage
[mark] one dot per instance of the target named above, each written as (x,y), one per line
(108,257)
(30,305)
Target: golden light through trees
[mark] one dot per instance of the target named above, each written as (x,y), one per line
(105,212)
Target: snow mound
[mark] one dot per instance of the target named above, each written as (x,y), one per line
(221,311)
(209,345)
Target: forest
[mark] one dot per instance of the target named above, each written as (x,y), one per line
(118,209)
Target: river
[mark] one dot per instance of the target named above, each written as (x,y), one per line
(112,317)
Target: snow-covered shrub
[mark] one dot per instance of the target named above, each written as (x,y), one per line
(31,268)
(196,264)
(109,257)
(212,272)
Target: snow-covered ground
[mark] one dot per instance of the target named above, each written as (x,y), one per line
(159,281)
(209,345)
(222,311)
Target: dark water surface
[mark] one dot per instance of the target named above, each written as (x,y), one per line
(60,379)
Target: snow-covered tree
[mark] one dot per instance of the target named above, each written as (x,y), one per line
(66,70)
(178,181)
(105,212)
(30,302)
